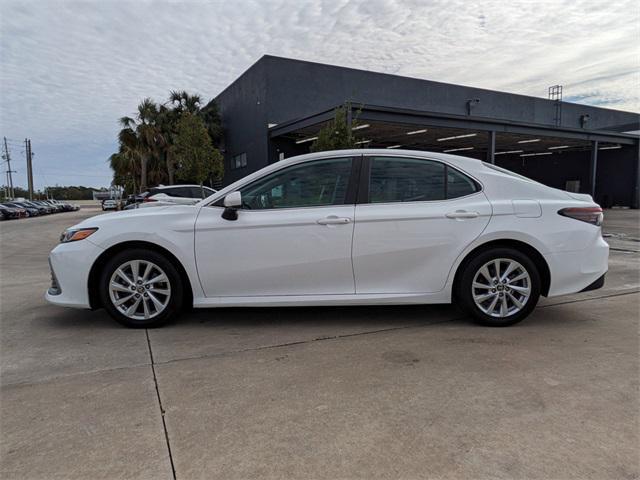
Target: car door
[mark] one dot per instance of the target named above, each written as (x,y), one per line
(292,236)
(413,218)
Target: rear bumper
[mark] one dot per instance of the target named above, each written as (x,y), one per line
(577,271)
(599,283)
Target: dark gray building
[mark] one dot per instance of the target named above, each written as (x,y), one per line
(275,108)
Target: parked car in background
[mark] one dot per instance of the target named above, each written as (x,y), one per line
(67,207)
(176,194)
(135,199)
(34,208)
(350,227)
(56,206)
(10,213)
(32,211)
(22,212)
(109,205)
(43,209)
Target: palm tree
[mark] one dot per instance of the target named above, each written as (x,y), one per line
(185,102)
(166,122)
(143,136)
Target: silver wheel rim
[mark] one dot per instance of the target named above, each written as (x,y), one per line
(501,288)
(139,289)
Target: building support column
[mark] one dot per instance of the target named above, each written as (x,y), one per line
(593,168)
(491,150)
(635,199)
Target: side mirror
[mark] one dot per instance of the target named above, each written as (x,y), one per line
(233,200)
(231,203)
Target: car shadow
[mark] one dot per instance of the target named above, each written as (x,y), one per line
(371,317)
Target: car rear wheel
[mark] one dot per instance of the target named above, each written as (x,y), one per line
(141,289)
(499,287)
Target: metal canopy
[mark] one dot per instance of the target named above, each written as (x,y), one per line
(465,141)
(392,123)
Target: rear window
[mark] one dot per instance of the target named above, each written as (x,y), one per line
(459,185)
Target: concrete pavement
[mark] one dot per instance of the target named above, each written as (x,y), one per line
(358,392)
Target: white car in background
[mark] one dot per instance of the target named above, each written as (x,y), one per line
(109,205)
(352,227)
(175,195)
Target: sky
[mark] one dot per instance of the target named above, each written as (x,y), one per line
(70,69)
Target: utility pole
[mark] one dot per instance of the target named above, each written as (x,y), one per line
(9,171)
(29,155)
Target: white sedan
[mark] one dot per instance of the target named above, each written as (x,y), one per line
(351,227)
(175,194)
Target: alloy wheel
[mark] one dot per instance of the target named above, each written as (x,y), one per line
(501,287)
(139,289)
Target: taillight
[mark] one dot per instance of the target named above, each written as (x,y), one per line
(149,199)
(592,215)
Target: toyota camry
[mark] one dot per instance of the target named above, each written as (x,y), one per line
(349,227)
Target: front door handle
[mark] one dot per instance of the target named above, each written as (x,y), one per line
(333,220)
(462,214)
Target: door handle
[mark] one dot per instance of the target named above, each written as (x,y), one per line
(333,220)
(462,214)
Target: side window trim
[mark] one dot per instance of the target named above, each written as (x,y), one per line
(350,195)
(365,179)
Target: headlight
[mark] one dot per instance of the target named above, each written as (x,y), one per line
(75,234)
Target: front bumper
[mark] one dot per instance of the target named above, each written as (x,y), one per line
(70,266)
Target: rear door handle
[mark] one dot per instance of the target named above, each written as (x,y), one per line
(333,220)
(462,214)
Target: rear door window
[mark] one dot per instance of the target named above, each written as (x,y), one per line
(396,179)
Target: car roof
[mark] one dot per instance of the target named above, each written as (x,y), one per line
(467,164)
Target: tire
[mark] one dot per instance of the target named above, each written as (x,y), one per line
(159,290)
(516,295)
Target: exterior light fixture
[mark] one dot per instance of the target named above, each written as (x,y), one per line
(536,154)
(394,146)
(458,149)
(561,146)
(415,132)
(584,120)
(614,147)
(529,141)
(362,141)
(360,127)
(509,151)
(305,140)
(456,137)
(471,103)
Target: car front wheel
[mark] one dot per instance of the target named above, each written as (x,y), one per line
(141,289)
(499,287)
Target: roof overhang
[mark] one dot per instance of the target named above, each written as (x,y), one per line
(373,113)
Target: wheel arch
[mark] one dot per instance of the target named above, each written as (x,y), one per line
(523,247)
(101,261)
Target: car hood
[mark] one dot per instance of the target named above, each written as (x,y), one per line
(136,215)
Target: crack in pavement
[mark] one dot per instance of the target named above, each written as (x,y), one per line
(162,411)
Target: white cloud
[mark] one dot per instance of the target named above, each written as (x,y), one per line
(70,69)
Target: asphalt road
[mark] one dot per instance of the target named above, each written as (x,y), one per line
(335,393)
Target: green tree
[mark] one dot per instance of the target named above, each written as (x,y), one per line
(195,156)
(145,143)
(338,133)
